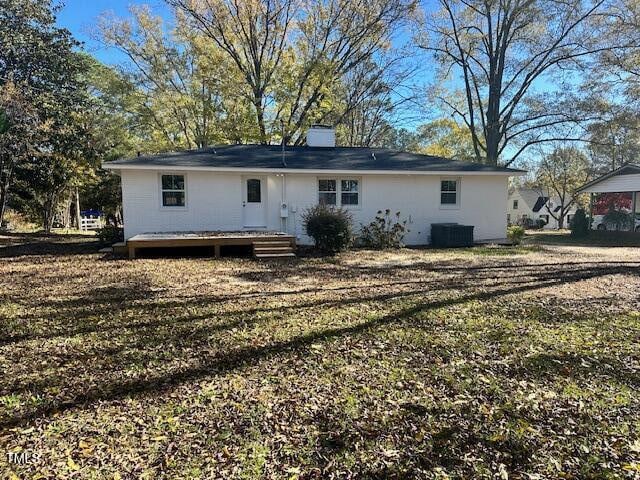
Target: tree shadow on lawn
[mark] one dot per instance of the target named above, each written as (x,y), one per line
(219,362)
(101,303)
(36,244)
(350,271)
(441,442)
(575,365)
(67,313)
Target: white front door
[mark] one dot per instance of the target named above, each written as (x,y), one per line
(254,201)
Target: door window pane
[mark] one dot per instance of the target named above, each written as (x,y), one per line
(254,194)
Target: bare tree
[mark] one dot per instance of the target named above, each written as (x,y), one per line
(559,175)
(501,49)
(292,53)
(182,88)
(372,98)
(336,38)
(253,33)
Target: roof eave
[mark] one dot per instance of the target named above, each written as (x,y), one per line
(606,176)
(129,166)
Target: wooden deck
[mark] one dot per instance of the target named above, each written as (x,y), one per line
(264,244)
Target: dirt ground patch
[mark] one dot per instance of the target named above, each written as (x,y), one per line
(472,363)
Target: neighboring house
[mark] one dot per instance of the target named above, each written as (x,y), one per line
(616,190)
(525,206)
(267,188)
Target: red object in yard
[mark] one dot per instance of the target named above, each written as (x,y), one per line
(603,202)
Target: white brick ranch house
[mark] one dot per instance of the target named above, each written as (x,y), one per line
(266,187)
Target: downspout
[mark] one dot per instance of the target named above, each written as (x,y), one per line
(590,210)
(633,211)
(283,201)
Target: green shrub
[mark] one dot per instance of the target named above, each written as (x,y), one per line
(540,223)
(515,233)
(329,227)
(621,220)
(386,231)
(579,224)
(110,234)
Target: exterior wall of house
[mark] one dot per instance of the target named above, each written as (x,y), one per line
(417,198)
(214,202)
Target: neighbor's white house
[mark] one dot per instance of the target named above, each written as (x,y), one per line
(265,187)
(527,205)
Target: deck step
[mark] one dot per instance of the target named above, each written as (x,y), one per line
(264,249)
(283,249)
(120,248)
(274,243)
(275,255)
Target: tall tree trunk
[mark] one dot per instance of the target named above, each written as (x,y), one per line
(3,203)
(260,118)
(4,193)
(78,209)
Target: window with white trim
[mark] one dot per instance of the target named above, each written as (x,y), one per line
(173,190)
(327,192)
(449,191)
(349,192)
(344,192)
(515,204)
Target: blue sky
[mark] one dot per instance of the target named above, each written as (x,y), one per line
(80,17)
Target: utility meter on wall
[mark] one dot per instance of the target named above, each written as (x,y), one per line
(284,210)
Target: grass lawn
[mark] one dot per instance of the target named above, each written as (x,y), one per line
(473,363)
(596,238)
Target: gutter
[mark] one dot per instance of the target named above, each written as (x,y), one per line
(115,166)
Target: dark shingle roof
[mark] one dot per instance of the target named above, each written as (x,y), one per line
(540,203)
(305,158)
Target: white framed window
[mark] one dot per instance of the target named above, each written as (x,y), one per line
(173,190)
(349,192)
(515,204)
(342,192)
(327,192)
(449,192)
